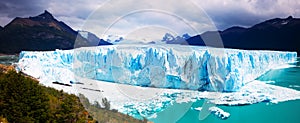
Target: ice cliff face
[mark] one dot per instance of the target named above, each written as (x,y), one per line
(164,66)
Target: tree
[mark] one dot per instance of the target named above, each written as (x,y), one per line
(106,103)
(22,99)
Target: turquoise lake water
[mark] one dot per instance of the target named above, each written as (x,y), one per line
(265,112)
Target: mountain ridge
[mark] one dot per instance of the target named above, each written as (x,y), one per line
(274,34)
(42,32)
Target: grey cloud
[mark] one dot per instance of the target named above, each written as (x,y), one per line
(248,12)
(75,9)
(162,13)
(101,13)
(13,8)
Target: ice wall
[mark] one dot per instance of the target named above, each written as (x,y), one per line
(164,66)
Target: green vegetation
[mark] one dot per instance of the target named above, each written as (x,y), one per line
(16,99)
(23,100)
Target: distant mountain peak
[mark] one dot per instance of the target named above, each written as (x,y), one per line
(46,16)
(186,36)
(290,17)
(234,29)
(112,38)
(275,23)
(168,37)
(92,39)
(171,39)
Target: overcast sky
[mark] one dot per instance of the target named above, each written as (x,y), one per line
(136,17)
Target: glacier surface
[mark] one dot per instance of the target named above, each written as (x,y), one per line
(161,66)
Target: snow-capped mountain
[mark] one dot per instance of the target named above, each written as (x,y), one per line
(114,39)
(186,36)
(93,40)
(168,37)
(171,39)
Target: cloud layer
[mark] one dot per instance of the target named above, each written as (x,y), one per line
(123,17)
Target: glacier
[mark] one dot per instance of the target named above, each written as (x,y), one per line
(165,75)
(160,66)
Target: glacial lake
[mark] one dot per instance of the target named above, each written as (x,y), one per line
(264,112)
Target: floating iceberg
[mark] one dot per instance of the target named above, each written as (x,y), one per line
(216,111)
(161,66)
